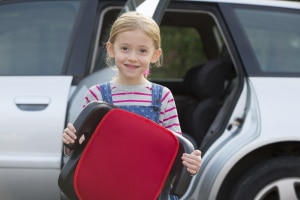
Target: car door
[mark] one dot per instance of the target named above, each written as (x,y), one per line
(34,37)
(43,58)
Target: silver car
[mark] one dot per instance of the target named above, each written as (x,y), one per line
(232,66)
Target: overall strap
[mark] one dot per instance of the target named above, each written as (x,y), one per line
(106,92)
(156,95)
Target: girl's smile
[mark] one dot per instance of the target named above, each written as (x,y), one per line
(131,66)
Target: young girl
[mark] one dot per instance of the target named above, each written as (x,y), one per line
(135,44)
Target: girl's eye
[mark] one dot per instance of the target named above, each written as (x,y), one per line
(143,51)
(124,48)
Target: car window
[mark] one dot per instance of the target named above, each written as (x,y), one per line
(274,36)
(182,49)
(34,36)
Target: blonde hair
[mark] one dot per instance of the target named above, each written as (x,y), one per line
(132,21)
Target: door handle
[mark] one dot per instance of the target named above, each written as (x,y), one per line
(35,103)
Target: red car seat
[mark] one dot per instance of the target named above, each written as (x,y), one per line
(124,156)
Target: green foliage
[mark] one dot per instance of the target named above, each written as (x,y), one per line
(182,49)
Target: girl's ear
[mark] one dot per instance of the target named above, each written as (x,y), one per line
(156,55)
(110,49)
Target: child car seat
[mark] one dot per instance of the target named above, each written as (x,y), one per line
(206,85)
(124,156)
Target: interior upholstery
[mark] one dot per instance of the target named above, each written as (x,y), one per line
(206,86)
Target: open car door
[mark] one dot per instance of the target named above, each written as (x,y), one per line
(34,95)
(152,8)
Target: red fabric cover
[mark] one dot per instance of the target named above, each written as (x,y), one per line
(127,157)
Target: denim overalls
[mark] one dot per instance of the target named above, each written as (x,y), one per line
(150,112)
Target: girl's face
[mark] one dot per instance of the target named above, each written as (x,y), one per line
(133,52)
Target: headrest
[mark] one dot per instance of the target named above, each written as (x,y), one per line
(208,80)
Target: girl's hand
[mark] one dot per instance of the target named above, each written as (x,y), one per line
(69,135)
(192,161)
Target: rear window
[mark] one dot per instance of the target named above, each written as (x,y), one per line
(34,36)
(275,38)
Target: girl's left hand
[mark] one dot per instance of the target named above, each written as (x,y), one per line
(192,161)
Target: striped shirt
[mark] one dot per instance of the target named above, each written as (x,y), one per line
(140,95)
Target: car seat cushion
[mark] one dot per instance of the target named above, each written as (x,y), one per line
(127,157)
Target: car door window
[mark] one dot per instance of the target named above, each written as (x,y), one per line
(34,36)
(274,37)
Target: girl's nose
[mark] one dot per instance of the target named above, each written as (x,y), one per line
(132,56)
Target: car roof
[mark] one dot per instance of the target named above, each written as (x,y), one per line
(273,3)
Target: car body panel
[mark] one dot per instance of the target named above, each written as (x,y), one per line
(30,147)
(28,183)
(280,97)
(231,147)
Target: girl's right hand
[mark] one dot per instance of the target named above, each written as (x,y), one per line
(69,135)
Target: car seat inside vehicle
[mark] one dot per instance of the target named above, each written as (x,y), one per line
(206,86)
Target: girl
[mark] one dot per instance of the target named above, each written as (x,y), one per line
(134,44)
